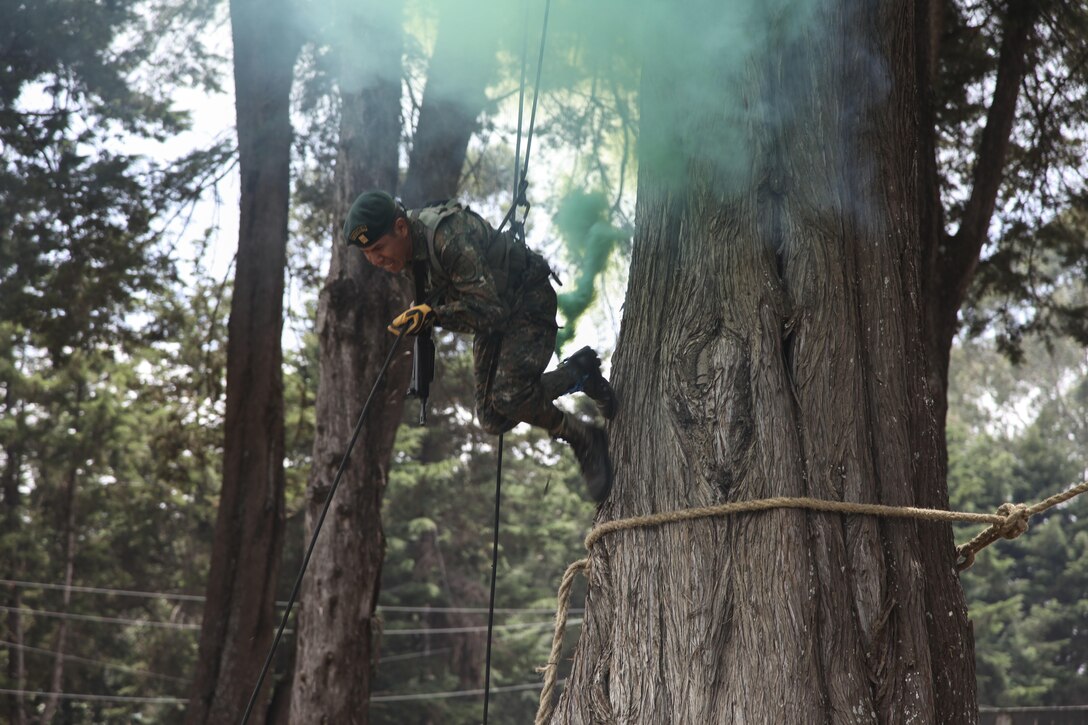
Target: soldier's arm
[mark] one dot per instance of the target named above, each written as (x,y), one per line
(476,305)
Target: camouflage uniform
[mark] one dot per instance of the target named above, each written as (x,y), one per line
(494,287)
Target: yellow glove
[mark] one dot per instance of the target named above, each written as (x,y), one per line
(412,320)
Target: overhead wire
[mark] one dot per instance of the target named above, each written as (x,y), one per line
(193,626)
(22,584)
(164,700)
(100,619)
(89,661)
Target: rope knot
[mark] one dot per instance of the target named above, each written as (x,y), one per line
(1016,519)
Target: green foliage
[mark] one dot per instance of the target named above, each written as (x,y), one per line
(1037,248)
(110,372)
(439,509)
(1028,598)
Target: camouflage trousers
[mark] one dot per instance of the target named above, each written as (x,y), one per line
(511,385)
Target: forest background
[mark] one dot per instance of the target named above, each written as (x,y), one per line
(113,357)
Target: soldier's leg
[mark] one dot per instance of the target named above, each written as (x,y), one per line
(485,357)
(516,390)
(518,393)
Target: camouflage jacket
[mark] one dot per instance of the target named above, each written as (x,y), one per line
(476,278)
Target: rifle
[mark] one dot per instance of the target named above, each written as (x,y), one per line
(422,353)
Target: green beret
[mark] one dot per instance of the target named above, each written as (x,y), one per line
(370,218)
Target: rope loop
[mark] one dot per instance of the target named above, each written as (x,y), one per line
(1009,522)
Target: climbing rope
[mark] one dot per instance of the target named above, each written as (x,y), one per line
(521,171)
(317,528)
(494,572)
(1009,522)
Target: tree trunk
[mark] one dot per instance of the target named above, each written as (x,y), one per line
(336,643)
(68,531)
(460,69)
(239,617)
(13,452)
(336,624)
(773,346)
(56,677)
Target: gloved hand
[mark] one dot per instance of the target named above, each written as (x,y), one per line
(412,320)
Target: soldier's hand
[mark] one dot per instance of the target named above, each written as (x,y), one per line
(412,320)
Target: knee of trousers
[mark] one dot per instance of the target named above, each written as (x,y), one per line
(512,402)
(492,421)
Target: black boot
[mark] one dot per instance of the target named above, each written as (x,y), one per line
(586,367)
(590,446)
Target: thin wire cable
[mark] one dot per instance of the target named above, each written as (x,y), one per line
(470,630)
(102,590)
(379,698)
(469,610)
(317,528)
(88,661)
(194,626)
(98,698)
(455,693)
(20,584)
(494,576)
(95,618)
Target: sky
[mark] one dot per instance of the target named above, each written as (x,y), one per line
(213,117)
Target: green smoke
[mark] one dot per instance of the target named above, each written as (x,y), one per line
(583,223)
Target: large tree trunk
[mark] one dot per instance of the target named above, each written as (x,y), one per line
(239,617)
(336,643)
(336,622)
(459,71)
(772,345)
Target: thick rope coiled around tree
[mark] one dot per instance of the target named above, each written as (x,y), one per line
(1009,522)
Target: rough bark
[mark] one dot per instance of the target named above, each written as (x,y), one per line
(336,622)
(337,648)
(239,618)
(772,345)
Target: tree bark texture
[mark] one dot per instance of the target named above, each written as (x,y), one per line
(239,616)
(337,628)
(337,646)
(772,345)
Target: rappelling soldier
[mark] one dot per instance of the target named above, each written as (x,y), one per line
(476,279)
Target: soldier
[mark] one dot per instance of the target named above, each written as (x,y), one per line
(475,279)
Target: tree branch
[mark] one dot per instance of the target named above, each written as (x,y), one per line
(959,259)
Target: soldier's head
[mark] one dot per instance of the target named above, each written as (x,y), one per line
(378,225)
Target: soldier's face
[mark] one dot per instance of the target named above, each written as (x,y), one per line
(392,251)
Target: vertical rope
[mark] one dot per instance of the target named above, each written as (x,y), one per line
(551,669)
(317,528)
(494,576)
